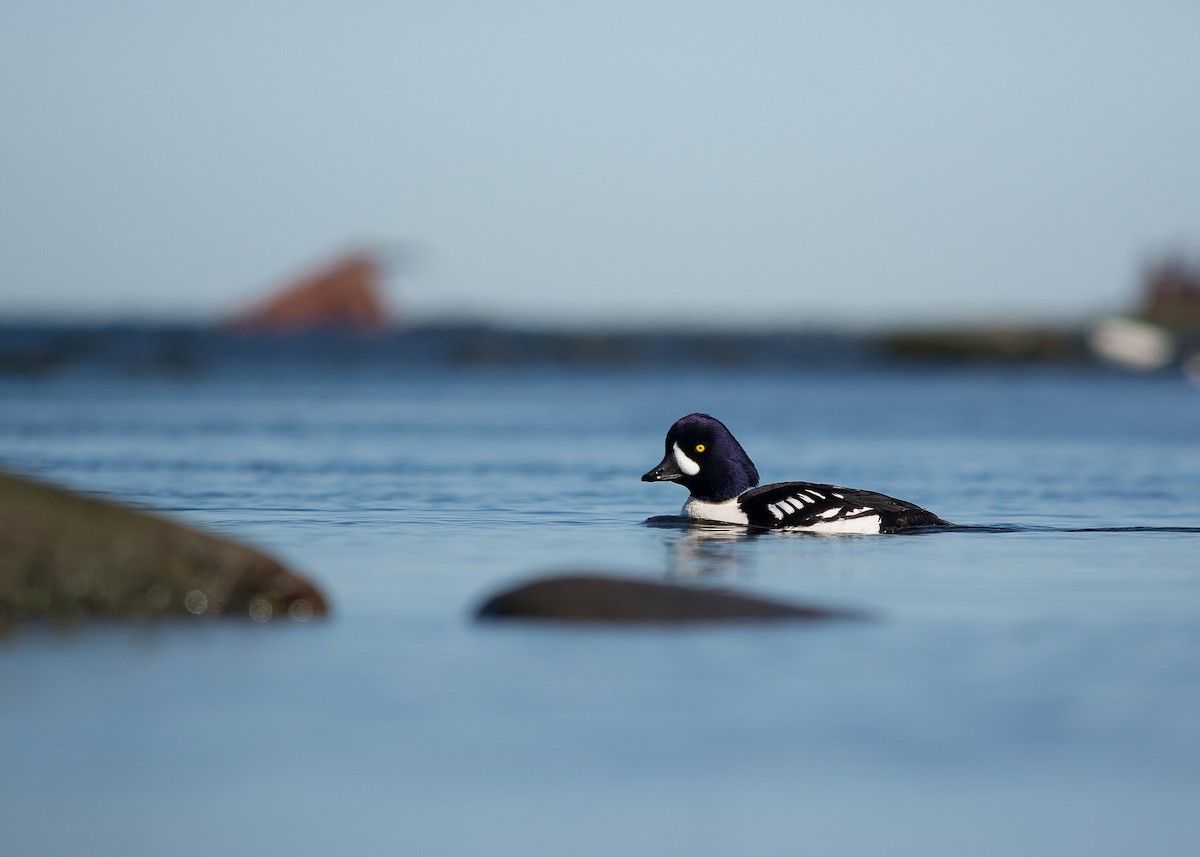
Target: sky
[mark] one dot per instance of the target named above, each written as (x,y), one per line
(783,163)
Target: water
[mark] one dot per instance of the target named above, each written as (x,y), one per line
(1029,691)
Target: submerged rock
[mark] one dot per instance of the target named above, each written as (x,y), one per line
(601,598)
(64,555)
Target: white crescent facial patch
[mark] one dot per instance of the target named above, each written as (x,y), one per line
(689,467)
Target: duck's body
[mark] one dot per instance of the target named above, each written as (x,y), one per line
(705,457)
(814,508)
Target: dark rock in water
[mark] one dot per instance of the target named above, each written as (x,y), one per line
(63,555)
(597,598)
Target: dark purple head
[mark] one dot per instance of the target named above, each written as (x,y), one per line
(705,458)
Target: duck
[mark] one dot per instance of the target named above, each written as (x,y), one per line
(703,456)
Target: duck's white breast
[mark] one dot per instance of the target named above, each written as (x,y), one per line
(727,512)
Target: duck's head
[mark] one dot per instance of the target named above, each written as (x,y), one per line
(704,457)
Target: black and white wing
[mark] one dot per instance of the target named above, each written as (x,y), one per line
(831,509)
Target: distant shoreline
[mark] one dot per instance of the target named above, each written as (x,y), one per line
(40,348)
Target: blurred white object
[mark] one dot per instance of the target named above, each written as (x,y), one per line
(1133,344)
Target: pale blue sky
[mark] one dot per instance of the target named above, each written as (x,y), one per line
(654,162)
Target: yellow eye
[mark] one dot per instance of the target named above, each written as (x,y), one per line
(699,447)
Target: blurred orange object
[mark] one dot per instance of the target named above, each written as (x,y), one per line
(345,295)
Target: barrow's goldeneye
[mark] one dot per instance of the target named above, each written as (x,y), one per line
(703,456)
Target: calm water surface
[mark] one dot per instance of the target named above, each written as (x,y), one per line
(1031,691)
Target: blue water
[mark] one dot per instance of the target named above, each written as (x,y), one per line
(1029,691)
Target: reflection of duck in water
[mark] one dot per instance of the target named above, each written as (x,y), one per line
(705,457)
(701,548)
